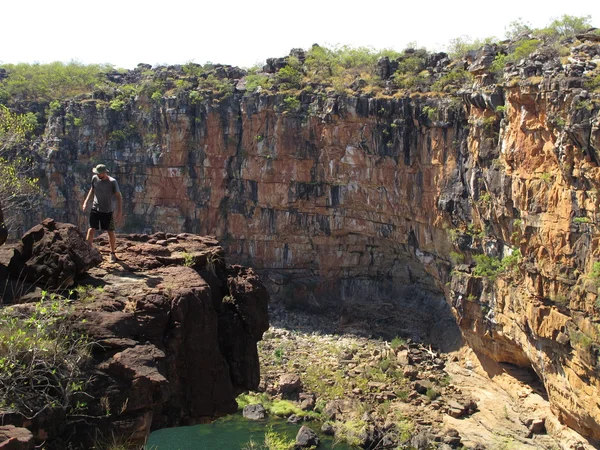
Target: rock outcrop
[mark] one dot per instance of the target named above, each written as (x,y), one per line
(173,332)
(344,201)
(53,255)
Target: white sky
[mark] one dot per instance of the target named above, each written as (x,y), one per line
(243,33)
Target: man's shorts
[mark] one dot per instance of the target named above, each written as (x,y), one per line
(102,221)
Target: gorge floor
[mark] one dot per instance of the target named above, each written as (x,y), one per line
(406,391)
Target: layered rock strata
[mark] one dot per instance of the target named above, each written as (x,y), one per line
(355,200)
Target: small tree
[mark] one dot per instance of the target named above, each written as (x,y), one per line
(18,186)
(517,28)
(566,25)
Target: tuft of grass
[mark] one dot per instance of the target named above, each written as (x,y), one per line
(432,394)
(188,259)
(351,431)
(397,342)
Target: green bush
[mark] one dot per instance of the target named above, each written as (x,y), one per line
(524,49)
(581,220)
(278,441)
(458,47)
(291,103)
(593,83)
(595,273)
(457,77)
(272,441)
(457,258)
(289,78)
(397,342)
(487,266)
(566,26)
(255,81)
(117,105)
(352,432)
(432,394)
(218,89)
(54,108)
(41,358)
(430,112)
(156,96)
(53,81)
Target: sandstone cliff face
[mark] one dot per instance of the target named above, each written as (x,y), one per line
(356,200)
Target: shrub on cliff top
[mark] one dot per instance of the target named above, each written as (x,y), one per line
(566,25)
(46,82)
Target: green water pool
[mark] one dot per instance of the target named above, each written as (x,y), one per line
(228,433)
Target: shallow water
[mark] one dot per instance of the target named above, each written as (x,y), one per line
(228,433)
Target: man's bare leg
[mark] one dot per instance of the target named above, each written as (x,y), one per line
(112,239)
(90,236)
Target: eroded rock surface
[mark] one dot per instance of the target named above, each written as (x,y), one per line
(53,254)
(174,332)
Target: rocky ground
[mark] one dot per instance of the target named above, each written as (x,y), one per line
(401,394)
(165,336)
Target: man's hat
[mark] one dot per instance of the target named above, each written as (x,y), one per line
(100,168)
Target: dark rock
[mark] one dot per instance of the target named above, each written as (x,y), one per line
(294,419)
(538,426)
(336,409)
(456,410)
(327,429)
(421,386)
(289,383)
(307,401)
(452,441)
(254,412)
(388,441)
(386,68)
(306,438)
(421,440)
(53,254)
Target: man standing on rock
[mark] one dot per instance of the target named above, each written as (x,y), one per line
(104,189)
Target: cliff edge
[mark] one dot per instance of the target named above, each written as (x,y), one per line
(169,336)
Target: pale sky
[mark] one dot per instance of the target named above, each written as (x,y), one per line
(243,33)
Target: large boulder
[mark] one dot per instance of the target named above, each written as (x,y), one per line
(254,412)
(53,254)
(306,438)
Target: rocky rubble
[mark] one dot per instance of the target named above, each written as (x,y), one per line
(397,393)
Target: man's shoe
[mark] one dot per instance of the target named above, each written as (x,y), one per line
(113,258)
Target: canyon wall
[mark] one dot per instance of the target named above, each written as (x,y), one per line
(389,205)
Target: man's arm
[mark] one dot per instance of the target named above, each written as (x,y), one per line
(119,206)
(88,198)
